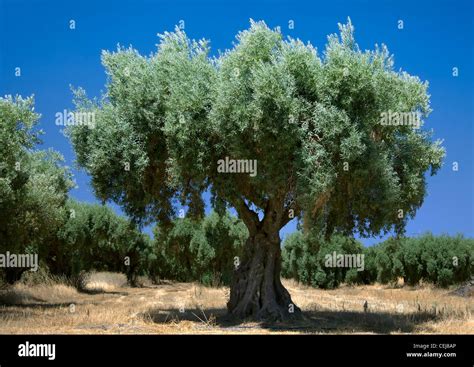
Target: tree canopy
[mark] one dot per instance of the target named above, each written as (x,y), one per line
(173,115)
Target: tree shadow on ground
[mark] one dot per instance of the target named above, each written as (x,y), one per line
(318,321)
(101,291)
(26,310)
(35,305)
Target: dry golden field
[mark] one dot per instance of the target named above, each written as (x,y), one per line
(108,306)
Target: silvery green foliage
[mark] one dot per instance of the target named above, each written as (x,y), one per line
(33,183)
(204,251)
(305,256)
(303,116)
(92,237)
(148,119)
(441,260)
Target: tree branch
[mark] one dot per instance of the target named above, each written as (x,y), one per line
(248,216)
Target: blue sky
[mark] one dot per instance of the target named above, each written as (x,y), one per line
(437,36)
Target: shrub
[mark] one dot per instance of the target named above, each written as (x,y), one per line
(304,259)
(93,237)
(441,260)
(198,250)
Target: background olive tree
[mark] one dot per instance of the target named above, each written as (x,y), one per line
(33,184)
(199,250)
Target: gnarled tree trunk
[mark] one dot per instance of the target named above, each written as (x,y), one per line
(256,289)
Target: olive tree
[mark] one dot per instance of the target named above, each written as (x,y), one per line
(94,237)
(310,124)
(203,250)
(33,184)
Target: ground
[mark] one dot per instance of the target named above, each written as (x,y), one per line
(108,306)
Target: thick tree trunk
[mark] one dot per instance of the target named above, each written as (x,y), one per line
(256,289)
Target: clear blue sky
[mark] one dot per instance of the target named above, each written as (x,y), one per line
(437,36)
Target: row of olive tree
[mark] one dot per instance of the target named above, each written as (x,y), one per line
(93,237)
(38,218)
(441,260)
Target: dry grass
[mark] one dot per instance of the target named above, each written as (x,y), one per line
(109,306)
(100,282)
